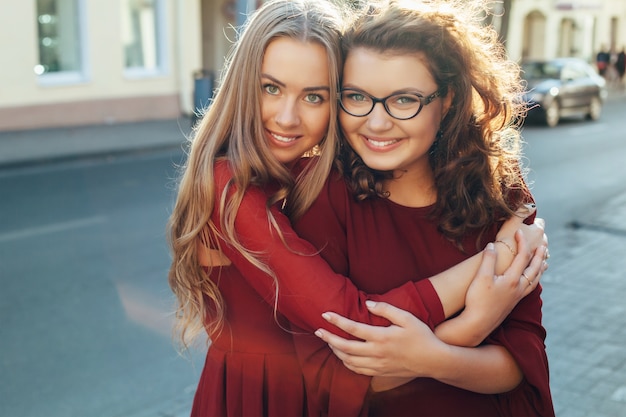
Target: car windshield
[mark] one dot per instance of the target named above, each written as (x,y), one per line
(541,70)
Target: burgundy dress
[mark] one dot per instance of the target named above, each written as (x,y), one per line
(251,368)
(380,239)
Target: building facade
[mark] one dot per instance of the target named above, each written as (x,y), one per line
(580,28)
(73,62)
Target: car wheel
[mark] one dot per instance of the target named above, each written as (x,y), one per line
(595,109)
(553,113)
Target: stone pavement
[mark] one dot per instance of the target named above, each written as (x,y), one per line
(585,314)
(584,289)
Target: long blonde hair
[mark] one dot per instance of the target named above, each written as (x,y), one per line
(232,129)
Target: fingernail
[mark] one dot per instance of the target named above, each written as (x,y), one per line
(490,246)
(370,304)
(326,316)
(318,333)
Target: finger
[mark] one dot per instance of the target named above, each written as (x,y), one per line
(361,364)
(487,268)
(525,210)
(532,274)
(356,329)
(521,259)
(345,346)
(540,222)
(392,313)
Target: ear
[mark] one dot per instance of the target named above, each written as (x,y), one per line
(447,103)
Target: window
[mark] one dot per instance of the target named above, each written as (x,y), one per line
(61,57)
(142,36)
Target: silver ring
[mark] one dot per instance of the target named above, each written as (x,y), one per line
(527,279)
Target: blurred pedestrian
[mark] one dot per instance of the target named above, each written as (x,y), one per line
(620,66)
(603,60)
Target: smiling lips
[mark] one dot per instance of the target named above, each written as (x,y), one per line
(283,139)
(377,143)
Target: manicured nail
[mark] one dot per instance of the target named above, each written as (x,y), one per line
(490,247)
(370,304)
(318,333)
(326,316)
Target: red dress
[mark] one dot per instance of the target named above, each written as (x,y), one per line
(378,238)
(251,368)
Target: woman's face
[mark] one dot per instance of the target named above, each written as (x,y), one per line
(383,142)
(295,102)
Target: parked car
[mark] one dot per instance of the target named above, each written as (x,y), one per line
(562,87)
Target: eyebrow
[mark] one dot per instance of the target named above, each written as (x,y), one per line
(411,90)
(280,83)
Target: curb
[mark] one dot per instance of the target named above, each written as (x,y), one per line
(86,156)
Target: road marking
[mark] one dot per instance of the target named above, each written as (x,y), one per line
(51,228)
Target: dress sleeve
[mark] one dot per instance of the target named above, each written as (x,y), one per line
(308,287)
(523,335)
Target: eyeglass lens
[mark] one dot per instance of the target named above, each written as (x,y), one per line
(400,106)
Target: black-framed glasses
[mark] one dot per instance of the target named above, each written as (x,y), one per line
(401,106)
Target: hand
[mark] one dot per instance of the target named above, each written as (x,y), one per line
(533,233)
(406,348)
(490,298)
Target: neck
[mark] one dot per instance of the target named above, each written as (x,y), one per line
(412,189)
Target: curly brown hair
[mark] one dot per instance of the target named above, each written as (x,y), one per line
(476,157)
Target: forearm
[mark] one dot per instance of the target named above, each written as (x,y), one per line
(451,285)
(486,369)
(461,331)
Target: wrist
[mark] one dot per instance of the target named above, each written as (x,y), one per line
(506,252)
(468,329)
(511,246)
(439,367)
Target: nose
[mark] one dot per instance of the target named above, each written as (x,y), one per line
(287,114)
(379,120)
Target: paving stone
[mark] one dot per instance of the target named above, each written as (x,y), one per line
(584,294)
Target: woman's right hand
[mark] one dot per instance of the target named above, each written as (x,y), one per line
(506,242)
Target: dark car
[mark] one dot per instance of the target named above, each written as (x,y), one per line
(563,87)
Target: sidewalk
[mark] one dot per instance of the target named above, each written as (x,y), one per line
(32,147)
(584,293)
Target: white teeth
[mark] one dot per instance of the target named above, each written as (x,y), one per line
(381,144)
(282,138)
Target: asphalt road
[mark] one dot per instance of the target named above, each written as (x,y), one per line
(85,306)
(578,165)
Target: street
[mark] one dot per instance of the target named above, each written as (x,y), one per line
(86,309)
(85,304)
(577,165)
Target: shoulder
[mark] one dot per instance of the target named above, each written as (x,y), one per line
(336,188)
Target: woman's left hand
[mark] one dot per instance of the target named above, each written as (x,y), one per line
(384,351)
